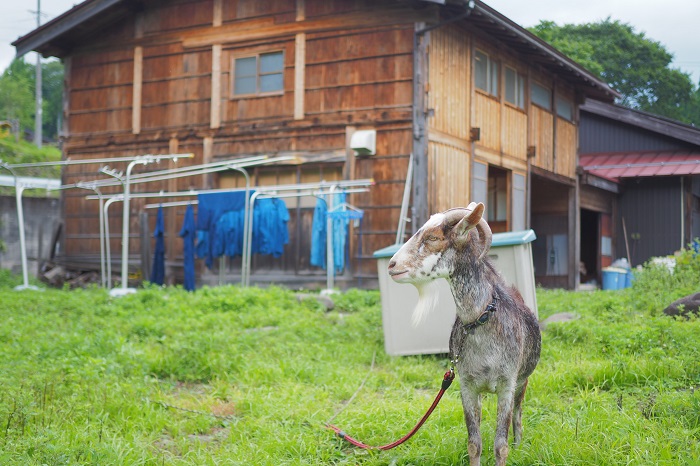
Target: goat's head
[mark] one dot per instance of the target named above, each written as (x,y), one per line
(433,251)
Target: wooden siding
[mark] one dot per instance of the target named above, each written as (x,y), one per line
(449,78)
(661,237)
(449,177)
(515,132)
(567,142)
(101,93)
(176,87)
(487,117)
(542,134)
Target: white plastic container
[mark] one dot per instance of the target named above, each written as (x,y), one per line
(512,255)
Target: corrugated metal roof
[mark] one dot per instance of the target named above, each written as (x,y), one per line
(616,165)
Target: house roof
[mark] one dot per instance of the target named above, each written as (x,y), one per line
(644,120)
(540,52)
(614,166)
(58,36)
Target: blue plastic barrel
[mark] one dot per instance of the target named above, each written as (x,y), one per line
(628,279)
(610,279)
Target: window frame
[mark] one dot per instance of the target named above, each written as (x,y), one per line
(491,81)
(549,92)
(258,75)
(562,99)
(519,91)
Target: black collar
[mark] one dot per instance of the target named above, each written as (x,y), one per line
(483,318)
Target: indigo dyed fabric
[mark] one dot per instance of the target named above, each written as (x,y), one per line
(187,233)
(318,234)
(158,269)
(270,232)
(216,237)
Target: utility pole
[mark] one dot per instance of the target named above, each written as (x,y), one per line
(38,113)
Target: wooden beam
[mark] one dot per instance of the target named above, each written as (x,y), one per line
(299,75)
(217,15)
(215,112)
(420,130)
(301,10)
(268,29)
(138,88)
(66,96)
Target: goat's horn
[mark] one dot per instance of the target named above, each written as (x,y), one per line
(485,237)
(453,216)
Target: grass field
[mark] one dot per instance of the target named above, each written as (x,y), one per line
(232,376)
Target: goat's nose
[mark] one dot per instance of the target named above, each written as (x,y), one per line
(392,264)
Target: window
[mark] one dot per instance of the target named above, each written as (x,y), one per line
(485,73)
(515,88)
(259,74)
(565,108)
(541,96)
(497,203)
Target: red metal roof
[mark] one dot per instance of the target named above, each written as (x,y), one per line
(616,165)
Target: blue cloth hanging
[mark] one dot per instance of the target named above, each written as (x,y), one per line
(340,220)
(158,269)
(187,233)
(270,232)
(216,237)
(318,234)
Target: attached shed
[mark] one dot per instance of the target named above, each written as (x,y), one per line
(640,177)
(488,110)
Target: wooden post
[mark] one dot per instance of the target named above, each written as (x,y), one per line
(138,85)
(299,75)
(574,236)
(420,130)
(215,116)
(65,127)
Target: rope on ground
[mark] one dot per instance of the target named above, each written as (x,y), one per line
(201,413)
(342,408)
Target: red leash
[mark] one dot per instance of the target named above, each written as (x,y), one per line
(446,382)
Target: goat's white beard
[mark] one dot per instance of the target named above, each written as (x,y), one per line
(428,296)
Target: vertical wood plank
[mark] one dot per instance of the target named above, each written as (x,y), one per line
(65,127)
(301,10)
(215,117)
(138,87)
(420,136)
(299,74)
(217,16)
(171,227)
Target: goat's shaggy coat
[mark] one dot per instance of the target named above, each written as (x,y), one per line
(496,357)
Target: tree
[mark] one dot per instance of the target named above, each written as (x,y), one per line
(17,87)
(17,94)
(634,65)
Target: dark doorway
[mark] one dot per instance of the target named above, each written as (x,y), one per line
(590,239)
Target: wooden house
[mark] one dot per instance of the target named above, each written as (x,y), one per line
(489,112)
(640,186)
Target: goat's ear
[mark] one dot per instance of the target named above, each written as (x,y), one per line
(475,212)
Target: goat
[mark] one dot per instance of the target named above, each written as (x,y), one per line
(495,341)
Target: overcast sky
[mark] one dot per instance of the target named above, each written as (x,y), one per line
(674,23)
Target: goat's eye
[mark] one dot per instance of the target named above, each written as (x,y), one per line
(432,238)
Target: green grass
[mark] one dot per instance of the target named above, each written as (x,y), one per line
(248,376)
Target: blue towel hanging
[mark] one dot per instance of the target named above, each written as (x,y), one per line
(158,269)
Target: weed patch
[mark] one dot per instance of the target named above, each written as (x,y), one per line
(248,376)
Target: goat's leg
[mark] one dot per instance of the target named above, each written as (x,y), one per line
(505,415)
(471,402)
(518,414)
